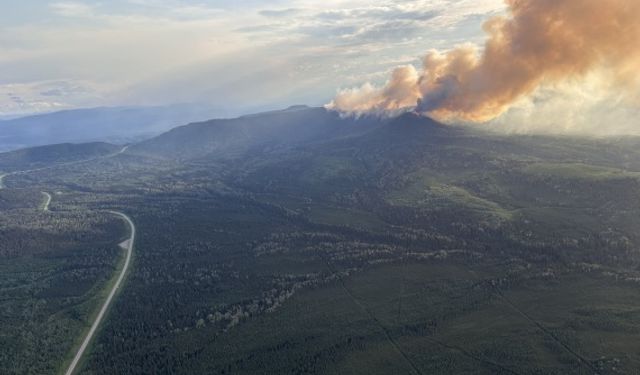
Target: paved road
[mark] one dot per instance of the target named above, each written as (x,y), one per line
(47,201)
(127,245)
(129,248)
(3,176)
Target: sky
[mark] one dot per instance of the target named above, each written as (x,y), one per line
(238,54)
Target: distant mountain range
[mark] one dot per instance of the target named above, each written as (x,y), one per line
(294,133)
(115,125)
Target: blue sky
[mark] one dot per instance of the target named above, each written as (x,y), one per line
(236,54)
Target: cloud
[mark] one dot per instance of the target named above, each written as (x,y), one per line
(365,23)
(72,9)
(392,12)
(192,50)
(280,13)
(46,96)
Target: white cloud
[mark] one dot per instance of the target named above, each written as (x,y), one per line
(72,9)
(192,50)
(46,96)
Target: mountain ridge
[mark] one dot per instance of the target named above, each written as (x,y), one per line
(275,129)
(100,124)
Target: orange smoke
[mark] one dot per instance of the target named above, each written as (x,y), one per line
(539,42)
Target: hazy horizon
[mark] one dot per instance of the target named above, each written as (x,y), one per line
(66,54)
(247,56)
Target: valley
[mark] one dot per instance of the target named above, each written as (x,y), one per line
(126,245)
(298,241)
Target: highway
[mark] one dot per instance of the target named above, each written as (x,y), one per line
(47,201)
(107,303)
(126,245)
(3,176)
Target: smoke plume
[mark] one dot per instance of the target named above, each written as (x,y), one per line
(537,43)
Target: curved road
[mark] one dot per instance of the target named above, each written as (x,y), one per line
(47,201)
(2,176)
(129,247)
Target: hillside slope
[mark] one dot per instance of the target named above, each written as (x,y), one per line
(115,125)
(261,132)
(35,157)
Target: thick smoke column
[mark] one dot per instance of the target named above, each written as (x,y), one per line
(539,42)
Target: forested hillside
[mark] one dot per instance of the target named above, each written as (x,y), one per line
(302,242)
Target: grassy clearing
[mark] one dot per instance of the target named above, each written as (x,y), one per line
(430,191)
(326,169)
(578,171)
(343,216)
